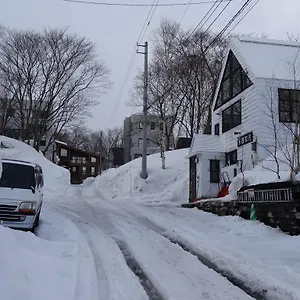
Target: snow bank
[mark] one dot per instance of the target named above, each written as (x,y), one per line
(265,172)
(161,186)
(56,178)
(33,268)
(24,256)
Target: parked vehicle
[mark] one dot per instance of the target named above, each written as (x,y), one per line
(21,194)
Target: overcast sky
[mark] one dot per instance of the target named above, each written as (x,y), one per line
(115,31)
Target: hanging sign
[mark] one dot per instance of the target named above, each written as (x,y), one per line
(245,139)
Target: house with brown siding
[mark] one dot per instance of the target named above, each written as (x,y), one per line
(81,164)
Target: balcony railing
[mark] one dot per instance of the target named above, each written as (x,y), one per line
(260,196)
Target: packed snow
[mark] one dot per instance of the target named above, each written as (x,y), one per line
(55,177)
(161,186)
(117,237)
(264,172)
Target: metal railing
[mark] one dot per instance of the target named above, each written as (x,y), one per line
(259,196)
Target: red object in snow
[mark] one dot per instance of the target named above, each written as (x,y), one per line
(224,191)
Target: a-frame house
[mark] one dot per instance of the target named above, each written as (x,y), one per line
(256,93)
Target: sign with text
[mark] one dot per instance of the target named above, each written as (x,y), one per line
(245,139)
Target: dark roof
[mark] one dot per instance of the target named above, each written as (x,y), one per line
(65,146)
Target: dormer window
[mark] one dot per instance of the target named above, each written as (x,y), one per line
(234,81)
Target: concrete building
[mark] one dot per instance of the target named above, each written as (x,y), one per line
(133,136)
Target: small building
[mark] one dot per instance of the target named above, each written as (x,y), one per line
(252,113)
(81,164)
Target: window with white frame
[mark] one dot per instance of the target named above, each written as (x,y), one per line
(63,152)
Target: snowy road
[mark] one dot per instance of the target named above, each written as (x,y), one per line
(123,255)
(132,251)
(119,237)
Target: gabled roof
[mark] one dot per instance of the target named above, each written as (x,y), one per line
(266,58)
(205,143)
(262,58)
(68,147)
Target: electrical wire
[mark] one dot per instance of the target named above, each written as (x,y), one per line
(134,53)
(185,11)
(143,4)
(151,16)
(231,14)
(208,15)
(246,13)
(238,13)
(217,17)
(146,24)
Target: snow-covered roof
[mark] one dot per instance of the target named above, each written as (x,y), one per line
(205,143)
(266,58)
(60,142)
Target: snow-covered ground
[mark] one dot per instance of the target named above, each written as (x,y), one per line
(161,186)
(265,172)
(118,237)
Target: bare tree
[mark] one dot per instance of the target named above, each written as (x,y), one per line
(183,75)
(274,144)
(54,78)
(97,142)
(284,131)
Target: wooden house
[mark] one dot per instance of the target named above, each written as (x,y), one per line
(81,164)
(255,102)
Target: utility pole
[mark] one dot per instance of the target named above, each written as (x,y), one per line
(144,174)
(101,146)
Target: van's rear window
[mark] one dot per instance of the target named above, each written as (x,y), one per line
(17,176)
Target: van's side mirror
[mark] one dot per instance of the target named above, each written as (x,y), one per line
(33,189)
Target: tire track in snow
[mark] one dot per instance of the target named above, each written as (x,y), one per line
(102,285)
(235,281)
(259,295)
(137,269)
(133,265)
(112,210)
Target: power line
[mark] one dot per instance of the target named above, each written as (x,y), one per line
(246,13)
(146,24)
(141,36)
(217,17)
(244,6)
(207,16)
(143,4)
(154,6)
(184,13)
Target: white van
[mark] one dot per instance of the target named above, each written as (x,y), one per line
(21,194)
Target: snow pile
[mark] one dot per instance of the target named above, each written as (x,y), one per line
(265,172)
(161,186)
(34,268)
(56,178)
